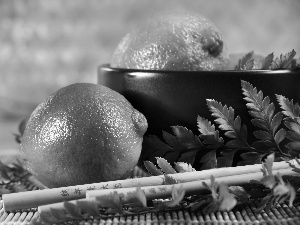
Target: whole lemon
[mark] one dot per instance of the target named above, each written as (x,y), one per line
(83,133)
(173,41)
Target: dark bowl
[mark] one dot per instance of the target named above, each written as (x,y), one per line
(170,98)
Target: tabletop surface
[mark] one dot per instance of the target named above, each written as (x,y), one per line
(241,214)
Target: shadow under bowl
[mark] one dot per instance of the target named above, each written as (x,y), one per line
(171,98)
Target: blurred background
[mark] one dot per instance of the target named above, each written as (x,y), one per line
(45,45)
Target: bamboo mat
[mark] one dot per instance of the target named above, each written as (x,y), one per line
(282,214)
(242,214)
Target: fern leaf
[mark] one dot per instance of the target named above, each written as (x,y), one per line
(165,166)
(294,145)
(260,123)
(222,113)
(294,166)
(209,135)
(284,61)
(173,141)
(263,135)
(176,147)
(240,193)
(275,122)
(172,156)
(292,136)
(254,157)
(263,111)
(264,145)
(270,111)
(182,167)
(292,121)
(152,169)
(267,62)
(231,134)
(226,160)
(256,114)
(225,119)
(249,65)
(169,180)
(178,193)
(221,200)
(224,116)
(209,160)
(264,203)
(253,97)
(289,108)
(280,136)
(242,64)
(186,137)
(294,131)
(140,196)
(227,199)
(183,146)
(212,141)
(205,127)
(295,127)
(187,157)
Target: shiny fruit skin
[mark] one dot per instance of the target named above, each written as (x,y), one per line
(174,41)
(83,133)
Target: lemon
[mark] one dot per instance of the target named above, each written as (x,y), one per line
(174,41)
(83,133)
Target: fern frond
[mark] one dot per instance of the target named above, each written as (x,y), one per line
(263,112)
(289,109)
(226,121)
(209,134)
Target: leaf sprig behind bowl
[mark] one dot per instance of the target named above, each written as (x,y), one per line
(285,61)
(276,132)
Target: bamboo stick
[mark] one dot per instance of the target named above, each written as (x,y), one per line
(193,187)
(33,199)
(165,191)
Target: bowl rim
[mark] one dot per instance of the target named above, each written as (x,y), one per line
(108,68)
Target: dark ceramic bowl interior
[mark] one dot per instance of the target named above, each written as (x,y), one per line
(170,98)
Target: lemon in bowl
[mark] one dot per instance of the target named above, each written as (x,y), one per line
(173,41)
(83,133)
